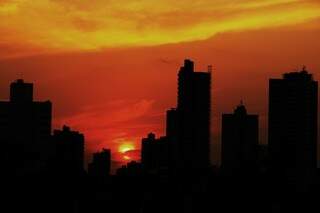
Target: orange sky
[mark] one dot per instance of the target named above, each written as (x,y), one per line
(110,66)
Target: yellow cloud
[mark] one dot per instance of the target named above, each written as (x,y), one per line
(86,25)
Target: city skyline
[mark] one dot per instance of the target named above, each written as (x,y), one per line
(23,92)
(131,150)
(39,162)
(155,106)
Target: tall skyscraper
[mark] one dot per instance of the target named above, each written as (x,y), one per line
(171,123)
(69,150)
(101,164)
(293,108)
(239,141)
(193,117)
(172,137)
(25,130)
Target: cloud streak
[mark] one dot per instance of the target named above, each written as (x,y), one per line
(65,25)
(105,125)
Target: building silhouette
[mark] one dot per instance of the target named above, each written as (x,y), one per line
(193,118)
(27,145)
(171,123)
(293,126)
(69,150)
(239,141)
(154,154)
(172,137)
(131,169)
(101,164)
(25,131)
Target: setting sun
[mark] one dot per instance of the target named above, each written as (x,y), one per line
(123,148)
(126,157)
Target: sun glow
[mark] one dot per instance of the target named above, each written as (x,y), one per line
(126,157)
(125,147)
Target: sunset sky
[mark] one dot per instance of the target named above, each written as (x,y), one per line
(110,66)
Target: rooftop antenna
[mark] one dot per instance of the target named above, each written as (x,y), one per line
(304,68)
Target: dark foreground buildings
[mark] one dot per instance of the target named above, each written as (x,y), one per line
(239,141)
(101,164)
(293,107)
(25,131)
(186,146)
(148,186)
(154,154)
(69,150)
(193,114)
